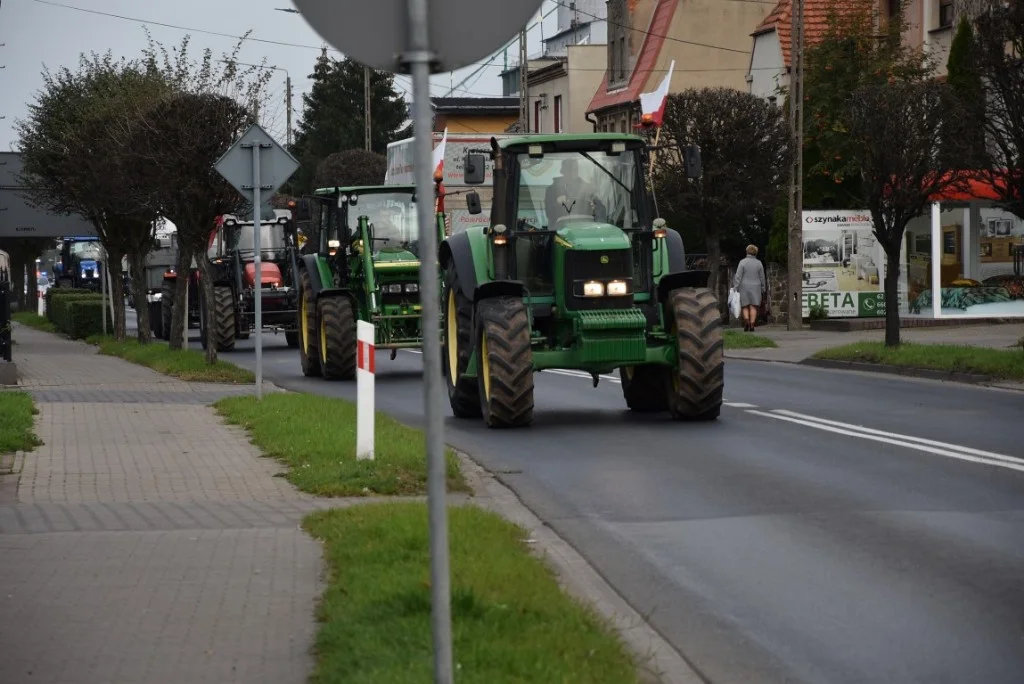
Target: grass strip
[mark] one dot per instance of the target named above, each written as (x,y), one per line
(736,339)
(998,363)
(34,320)
(16,428)
(185,364)
(315,437)
(511,621)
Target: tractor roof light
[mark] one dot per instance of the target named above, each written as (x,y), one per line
(535,150)
(618,147)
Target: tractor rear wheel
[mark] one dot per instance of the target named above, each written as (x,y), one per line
(309,355)
(695,387)
(457,347)
(644,387)
(337,341)
(224,318)
(505,375)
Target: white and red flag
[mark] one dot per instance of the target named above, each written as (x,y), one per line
(652,104)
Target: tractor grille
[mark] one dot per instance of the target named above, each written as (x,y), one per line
(583,266)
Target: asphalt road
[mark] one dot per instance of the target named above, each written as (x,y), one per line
(830,527)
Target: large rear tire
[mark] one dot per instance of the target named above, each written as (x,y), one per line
(505,375)
(644,387)
(224,318)
(695,388)
(337,341)
(309,355)
(457,347)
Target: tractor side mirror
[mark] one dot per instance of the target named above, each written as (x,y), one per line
(473,203)
(474,169)
(692,162)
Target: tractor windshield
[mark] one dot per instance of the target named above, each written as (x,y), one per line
(244,238)
(562,188)
(85,251)
(392,217)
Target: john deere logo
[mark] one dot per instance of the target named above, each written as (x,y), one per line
(604,258)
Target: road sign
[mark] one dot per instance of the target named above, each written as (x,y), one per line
(257,166)
(461,31)
(276,164)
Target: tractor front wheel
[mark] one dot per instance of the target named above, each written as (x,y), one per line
(695,387)
(457,347)
(337,341)
(309,355)
(505,375)
(224,318)
(644,387)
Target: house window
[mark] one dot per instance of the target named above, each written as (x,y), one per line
(536,116)
(558,114)
(945,13)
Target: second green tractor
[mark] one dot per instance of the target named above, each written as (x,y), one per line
(573,271)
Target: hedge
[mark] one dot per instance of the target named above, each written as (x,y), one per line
(76,313)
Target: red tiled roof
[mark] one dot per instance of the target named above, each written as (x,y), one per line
(816,18)
(661,22)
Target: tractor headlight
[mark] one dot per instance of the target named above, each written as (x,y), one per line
(593,289)
(334,244)
(412,287)
(617,288)
(393,288)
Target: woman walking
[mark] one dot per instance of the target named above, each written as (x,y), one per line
(751,283)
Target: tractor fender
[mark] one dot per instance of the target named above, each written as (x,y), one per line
(673,281)
(459,250)
(499,288)
(309,262)
(676,252)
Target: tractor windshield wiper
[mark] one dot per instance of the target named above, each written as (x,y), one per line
(609,173)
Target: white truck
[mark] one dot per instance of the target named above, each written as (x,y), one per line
(400,171)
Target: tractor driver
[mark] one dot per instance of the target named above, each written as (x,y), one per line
(569,194)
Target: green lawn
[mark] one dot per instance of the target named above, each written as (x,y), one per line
(511,622)
(34,320)
(186,364)
(316,437)
(737,339)
(16,429)
(1000,363)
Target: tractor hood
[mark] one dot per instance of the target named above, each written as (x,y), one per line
(396,259)
(270,272)
(591,235)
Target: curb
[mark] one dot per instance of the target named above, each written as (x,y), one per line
(659,662)
(926,373)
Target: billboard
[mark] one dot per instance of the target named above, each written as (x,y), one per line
(19,219)
(401,158)
(843,265)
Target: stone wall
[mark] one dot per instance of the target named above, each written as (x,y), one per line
(777,288)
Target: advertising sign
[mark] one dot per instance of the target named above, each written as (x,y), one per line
(844,265)
(401,157)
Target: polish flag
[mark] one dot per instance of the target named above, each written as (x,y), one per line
(652,104)
(438,157)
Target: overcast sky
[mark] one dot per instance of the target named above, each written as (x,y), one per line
(55,32)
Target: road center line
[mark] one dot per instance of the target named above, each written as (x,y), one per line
(947,450)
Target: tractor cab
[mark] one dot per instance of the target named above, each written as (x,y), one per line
(80,263)
(383,217)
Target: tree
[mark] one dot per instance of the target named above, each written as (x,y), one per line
(70,161)
(901,132)
(333,117)
(745,148)
(849,55)
(171,146)
(351,167)
(1000,66)
(965,80)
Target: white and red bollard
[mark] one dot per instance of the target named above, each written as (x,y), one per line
(365,368)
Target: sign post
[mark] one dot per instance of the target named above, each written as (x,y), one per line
(421,37)
(366,353)
(257,166)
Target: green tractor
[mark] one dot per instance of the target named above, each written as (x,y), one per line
(364,265)
(574,272)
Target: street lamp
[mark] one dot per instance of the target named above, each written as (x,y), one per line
(287,92)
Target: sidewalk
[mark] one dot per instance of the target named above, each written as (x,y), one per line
(145,541)
(797,345)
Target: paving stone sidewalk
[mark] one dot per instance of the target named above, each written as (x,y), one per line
(146,541)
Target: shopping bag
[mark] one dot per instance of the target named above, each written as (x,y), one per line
(734,302)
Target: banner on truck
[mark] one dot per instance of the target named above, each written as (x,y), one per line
(401,157)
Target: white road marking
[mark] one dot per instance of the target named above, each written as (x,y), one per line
(909,442)
(737,404)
